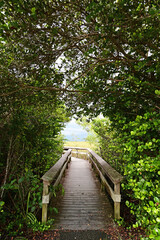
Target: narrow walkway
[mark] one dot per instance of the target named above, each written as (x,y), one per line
(83,206)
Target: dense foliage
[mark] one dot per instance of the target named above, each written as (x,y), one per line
(30,128)
(107,143)
(99,56)
(142,170)
(134,151)
(30,145)
(105,51)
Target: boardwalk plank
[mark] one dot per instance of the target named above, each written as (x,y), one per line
(83,206)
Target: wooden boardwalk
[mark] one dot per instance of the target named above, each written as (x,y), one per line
(84,206)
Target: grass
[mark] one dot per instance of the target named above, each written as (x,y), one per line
(80,144)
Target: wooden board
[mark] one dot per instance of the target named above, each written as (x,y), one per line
(84,206)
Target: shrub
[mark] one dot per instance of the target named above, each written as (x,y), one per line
(142,171)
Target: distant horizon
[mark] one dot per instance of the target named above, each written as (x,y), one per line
(74,132)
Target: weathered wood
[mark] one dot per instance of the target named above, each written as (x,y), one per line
(115,176)
(116,197)
(69,158)
(83,206)
(61,173)
(106,168)
(103,168)
(117,188)
(76,148)
(117,203)
(44,205)
(117,210)
(54,174)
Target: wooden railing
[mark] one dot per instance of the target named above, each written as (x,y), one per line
(107,174)
(53,176)
(110,178)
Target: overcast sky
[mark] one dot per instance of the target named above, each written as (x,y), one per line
(74,132)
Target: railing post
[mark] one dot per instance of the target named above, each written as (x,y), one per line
(45,201)
(69,159)
(117,204)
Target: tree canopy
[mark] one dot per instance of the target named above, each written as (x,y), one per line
(102,55)
(96,56)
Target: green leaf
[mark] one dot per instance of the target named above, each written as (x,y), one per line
(33,209)
(153,10)
(152,236)
(63,191)
(33,10)
(157,92)
(156,199)
(158,220)
(151,203)
(32,218)
(1,203)
(56,210)
(139,7)
(21,179)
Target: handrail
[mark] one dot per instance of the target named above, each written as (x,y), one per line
(115,176)
(77,148)
(105,171)
(53,175)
